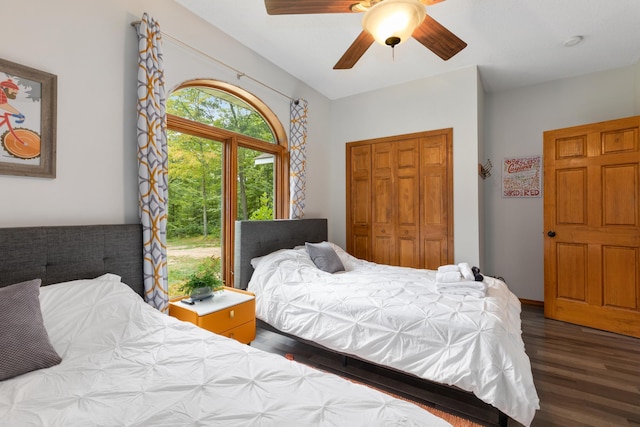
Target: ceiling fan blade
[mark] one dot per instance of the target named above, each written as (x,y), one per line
(430,2)
(293,7)
(438,39)
(355,51)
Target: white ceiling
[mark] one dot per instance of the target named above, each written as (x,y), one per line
(513,42)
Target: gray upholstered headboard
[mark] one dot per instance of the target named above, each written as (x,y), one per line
(258,238)
(63,253)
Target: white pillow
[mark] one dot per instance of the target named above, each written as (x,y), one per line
(110,277)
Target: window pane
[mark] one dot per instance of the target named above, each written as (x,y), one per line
(255,184)
(194,226)
(220,109)
(225,119)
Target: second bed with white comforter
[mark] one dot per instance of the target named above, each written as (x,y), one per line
(395,317)
(126,364)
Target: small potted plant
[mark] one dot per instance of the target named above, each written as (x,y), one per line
(204,282)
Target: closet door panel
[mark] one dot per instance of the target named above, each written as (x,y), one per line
(407,234)
(408,252)
(382,250)
(433,254)
(383,199)
(436,206)
(359,200)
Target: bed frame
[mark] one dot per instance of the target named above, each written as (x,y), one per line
(63,253)
(258,238)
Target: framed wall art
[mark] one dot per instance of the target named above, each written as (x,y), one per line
(522,177)
(27,121)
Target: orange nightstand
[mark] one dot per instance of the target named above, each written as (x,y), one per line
(230,312)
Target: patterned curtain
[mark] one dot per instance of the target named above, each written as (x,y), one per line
(152,162)
(298,158)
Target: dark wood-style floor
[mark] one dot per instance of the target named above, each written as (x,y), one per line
(584,377)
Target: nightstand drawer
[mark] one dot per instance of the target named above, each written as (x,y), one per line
(228,318)
(243,333)
(231,313)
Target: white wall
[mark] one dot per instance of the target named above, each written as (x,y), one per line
(515,122)
(92,47)
(480,184)
(637,86)
(446,101)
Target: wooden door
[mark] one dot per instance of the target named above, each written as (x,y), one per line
(592,225)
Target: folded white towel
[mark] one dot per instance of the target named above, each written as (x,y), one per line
(465,269)
(447,268)
(448,277)
(466,292)
(463,284)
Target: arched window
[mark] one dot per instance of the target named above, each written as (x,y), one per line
(228,160)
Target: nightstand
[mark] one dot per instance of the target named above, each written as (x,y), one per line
(231,312)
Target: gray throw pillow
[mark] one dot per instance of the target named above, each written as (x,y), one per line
(324,257)
(24,342)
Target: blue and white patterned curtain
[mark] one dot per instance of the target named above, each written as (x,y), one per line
(298,158)
(152,162)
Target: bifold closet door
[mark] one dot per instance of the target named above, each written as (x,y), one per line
(400,201)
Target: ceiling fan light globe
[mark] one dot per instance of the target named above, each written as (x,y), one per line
(395,19)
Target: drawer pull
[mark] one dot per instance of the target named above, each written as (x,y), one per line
(232,314)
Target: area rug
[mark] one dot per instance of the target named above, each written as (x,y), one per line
(454,420)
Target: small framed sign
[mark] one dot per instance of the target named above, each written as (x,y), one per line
(27,121)
(522,176)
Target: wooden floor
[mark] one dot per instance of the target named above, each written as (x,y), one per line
(584,377)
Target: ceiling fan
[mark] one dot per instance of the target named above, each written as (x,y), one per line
(411,15)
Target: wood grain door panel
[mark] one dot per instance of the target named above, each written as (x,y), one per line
(359,201)
(407,231)
(435,254)
(383,200)
(617,263)
(571,206)
(619,186)
(436,178)
(572,280)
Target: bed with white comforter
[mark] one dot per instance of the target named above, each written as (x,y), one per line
(126,364)
(395,317)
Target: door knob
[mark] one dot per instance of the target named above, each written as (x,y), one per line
(551,233)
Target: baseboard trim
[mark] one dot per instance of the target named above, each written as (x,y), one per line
(531,302)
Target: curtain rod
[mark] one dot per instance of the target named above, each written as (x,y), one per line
(239,74)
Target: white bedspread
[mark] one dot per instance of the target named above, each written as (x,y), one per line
(394,316)
(125,364)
